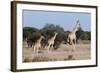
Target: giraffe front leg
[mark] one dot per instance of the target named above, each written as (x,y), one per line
(48,48)
(68,41)
(34,49)
(52,47)
(73,45)
(71,41)
(37,49)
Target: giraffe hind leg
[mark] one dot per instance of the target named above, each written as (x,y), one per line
(48,48)
(52,47)
(37,50)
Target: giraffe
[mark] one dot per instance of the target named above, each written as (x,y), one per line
(72,35)
(25,44)
(37,44)
(51,41)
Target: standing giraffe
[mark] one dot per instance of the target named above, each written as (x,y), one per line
(51,41)
(37,44)
(72,35)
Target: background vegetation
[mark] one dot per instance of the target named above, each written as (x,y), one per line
(32,34)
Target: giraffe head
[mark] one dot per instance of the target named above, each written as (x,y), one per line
(77,27)
(55,33)
(78,24)
(42,37)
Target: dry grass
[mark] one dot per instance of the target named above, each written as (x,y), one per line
(40,58)
(70,57)
(64,52)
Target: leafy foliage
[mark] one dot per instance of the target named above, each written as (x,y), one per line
(32,34)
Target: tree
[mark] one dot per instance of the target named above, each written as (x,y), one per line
(31,34)
(48,32)
(27,31)
(78,34)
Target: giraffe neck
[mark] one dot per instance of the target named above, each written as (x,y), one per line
(76,27)
(74,31)
(39,40)
(53,38)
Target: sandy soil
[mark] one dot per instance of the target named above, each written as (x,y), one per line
(64,52)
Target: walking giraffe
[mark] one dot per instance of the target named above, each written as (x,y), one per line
(72,35)
(37,44)
(51,41)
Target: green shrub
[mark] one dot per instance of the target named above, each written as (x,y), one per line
(70,57)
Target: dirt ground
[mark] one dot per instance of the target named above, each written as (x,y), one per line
(65,52)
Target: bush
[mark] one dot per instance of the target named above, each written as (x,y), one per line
(27,32)
(85,36)
(32,34)
(70,57)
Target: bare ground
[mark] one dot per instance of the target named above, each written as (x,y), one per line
(64,52)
